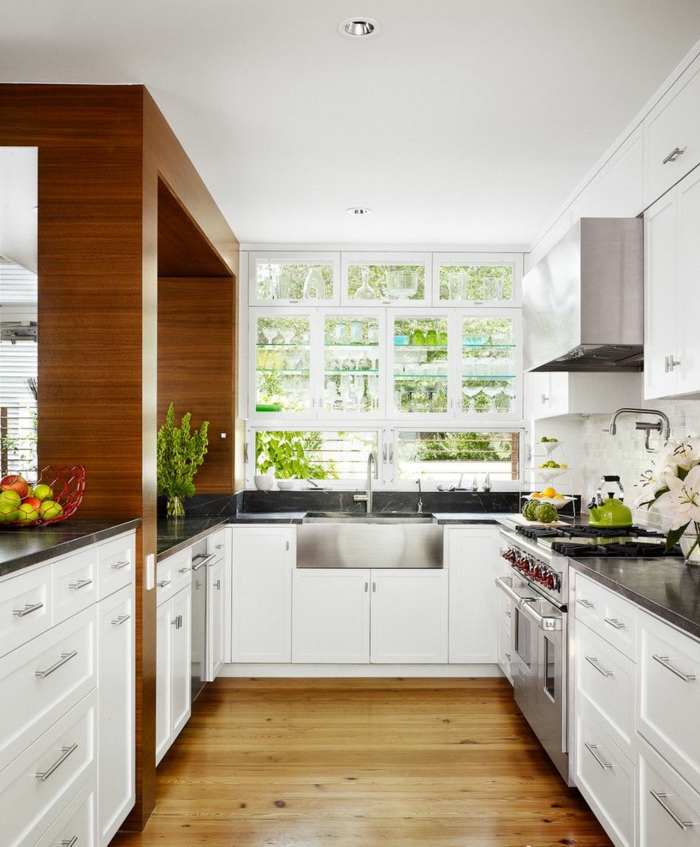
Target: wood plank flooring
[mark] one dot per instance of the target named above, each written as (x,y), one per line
(397,762)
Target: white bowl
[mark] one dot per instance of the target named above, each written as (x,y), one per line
(557,502)
(550,446)
(264,482)
(286,484)
(547,474)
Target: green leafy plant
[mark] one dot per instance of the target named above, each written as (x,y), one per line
(291,454)
(180,453)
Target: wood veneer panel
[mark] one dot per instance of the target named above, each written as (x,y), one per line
(195,366)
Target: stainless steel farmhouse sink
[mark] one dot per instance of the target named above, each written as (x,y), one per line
(359,540)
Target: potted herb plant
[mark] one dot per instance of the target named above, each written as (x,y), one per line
(180,453)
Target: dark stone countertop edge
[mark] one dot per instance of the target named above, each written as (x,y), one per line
(13,560)
(682,622)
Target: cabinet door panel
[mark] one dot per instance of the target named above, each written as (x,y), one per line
(409,616)
(331,616)
(215,620)
(688,193)
(164,708)
(182,655)
(669,811)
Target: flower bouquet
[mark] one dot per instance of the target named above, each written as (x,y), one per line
(672,485)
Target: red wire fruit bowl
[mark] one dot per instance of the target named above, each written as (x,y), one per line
(68,486)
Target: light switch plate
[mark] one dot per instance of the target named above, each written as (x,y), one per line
(150,572)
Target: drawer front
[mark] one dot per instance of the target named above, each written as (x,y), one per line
(174,573)
(608,614)
(672,125)
(25,608)
(605,680)
(669,695)
(116,564)
(38,785)
(76,825)
(669,810)
(44,679)
(605,777)
(74,583)
(216,543)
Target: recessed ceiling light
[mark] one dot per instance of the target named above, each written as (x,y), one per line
(358,27)
(358,211)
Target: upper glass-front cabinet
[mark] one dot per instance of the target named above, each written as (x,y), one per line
(420,366)
(463,279)
(371,279)
(281,376)
(307,279)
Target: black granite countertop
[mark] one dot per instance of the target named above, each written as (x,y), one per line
(177,534)
(21,547)
(666,587)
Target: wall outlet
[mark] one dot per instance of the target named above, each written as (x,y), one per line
(150,572)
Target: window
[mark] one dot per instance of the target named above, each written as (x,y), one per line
(444,456)
(314,454)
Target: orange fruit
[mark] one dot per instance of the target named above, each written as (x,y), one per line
(549,492)
(535,495)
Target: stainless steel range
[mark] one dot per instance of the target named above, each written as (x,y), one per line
(538,592)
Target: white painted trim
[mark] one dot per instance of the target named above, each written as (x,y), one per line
(385,248)
(289,671)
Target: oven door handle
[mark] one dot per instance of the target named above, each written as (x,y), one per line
(505,583)
(544,622)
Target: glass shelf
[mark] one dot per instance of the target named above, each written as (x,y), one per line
(368,371)
(420,376)
(280,371)
(275,346)
(353,344)
(488,376)
(420,346)
(487,346)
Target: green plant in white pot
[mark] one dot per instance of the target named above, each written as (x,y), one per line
(180,453)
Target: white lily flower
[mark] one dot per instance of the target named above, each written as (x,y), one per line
(686,454)
(682,500)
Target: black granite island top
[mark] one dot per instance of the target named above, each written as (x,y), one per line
(666,587)
(21,547)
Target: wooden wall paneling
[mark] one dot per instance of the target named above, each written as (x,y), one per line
(195,366)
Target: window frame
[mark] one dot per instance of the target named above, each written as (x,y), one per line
(301,257)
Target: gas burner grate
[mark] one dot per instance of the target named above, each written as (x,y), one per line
(535,532)
(625,549)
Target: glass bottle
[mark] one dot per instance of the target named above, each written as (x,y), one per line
(356,334)
(313,287)
(431,336)
(417,337)
(365,291)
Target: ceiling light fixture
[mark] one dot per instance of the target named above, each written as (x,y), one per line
(358,211)
(358,27)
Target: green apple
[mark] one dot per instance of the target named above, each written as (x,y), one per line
(11,497)
(27,513)
(43,492)
(8,511)
(50,509)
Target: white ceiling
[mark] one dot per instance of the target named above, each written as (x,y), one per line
(461,122)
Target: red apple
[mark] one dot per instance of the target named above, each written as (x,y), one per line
(14,482)
(34,502)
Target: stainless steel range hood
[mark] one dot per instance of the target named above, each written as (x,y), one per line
(583,303)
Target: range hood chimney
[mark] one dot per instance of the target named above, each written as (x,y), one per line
(583,303)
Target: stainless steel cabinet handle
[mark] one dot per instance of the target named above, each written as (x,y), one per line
(118,621)
(366,587)
(183,570)
(585,603)
(593,750)
(544,399)
(117,566)
(673,363)
(384,453)
(69,842)
(374,586)
(673,155)
(660,798)
(164,582)
(665,662)
(667,366)
(81,583)
(219,546)
(42,776)
(245,453)
(391,453)
(217,584)
(65,657)
(177,623)
(593,661)
(202,560)
(614,623)
(27,610)
(508,613)
(507,655)
(286,546)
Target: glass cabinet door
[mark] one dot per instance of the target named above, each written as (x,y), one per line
(387,278)
(281,377)
(289,278)
(490,368)
(419,364)
(479,278)
(353,363)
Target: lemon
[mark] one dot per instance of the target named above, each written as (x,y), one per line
(549,492)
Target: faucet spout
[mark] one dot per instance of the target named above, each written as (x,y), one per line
(663,425)
(367,498)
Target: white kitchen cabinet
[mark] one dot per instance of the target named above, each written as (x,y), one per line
(116,711)
(472,559)
(215,619)
(261,574)
(331,615)
(672,135)
(409,616)
(669,810)
(672,296)
(471,279)
(296,277)
(392,278)
(173,668)
(551,395)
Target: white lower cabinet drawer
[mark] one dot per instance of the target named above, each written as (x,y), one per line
(605,777)
(76,825)
(605,681)
(74,583)
(607,613)
(43,679)
(25,608)
(38,785)
(669,809)
(116,564)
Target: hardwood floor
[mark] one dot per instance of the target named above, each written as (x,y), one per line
(399,762)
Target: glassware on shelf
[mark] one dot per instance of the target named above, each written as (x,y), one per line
(284,285)
(431,337)
(482,402)
(364,363)
(442,338)
(313,286)
(287,334)
(356,333)
(373,333)
(457,285)
(401,284)
(501,401)
(373,390)
(365,291)
(417,337)
(401,340)
(340,333)
(359,385)
(270,333)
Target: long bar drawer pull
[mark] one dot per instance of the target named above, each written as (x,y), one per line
(27,610)
(117,566)
(593,750)
(81,583)
(69,842)
(673,155)
(120,619)
(585,603)
(665,662)
(614,623)
(202,560)
(593,661)
(183,570)
(65,657)
(42,776)
(660,797)
(164,582)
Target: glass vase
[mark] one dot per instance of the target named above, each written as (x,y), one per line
(690,545)
(175,507)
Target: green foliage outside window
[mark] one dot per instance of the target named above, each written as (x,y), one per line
(291,454)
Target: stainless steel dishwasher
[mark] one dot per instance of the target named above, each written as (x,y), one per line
(202,561)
